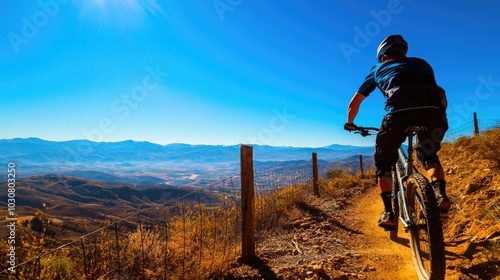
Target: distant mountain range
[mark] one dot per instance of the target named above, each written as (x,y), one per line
(149,163)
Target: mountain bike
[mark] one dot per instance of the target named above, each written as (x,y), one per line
(414,202)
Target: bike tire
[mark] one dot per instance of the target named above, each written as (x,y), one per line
(426,234)
(393,233)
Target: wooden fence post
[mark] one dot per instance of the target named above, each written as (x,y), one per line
(315,174)
(247,205)
(361,163)
(476,125)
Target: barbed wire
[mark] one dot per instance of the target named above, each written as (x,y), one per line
(275,190)
(154,241)
(468,129)
(95,253)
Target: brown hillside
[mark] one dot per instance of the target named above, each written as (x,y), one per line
(76,206)
(472,230)
(336,236)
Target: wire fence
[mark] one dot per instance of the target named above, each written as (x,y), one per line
(276,191)
(189,238)
(192,237)
(469,129)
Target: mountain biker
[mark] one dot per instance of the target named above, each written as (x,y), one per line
(413,98)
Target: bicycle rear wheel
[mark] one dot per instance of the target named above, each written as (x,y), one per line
(426,233)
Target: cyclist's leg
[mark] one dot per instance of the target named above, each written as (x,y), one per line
(429,140)
(429,143)
(435,170)
(388,140)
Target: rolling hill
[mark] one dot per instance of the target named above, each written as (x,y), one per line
(58,192)
(148,163)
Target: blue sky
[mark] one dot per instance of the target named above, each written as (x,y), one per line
(226,72)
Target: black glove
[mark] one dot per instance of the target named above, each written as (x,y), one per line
(350,127)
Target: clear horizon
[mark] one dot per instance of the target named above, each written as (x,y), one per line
(190,144)
(229,72)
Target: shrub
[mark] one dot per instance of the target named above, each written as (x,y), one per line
(336,173)
(487,145)
(341,180)
(59,267)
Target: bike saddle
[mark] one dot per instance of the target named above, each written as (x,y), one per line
(411,130)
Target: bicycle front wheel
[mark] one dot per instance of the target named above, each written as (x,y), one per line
(426,232)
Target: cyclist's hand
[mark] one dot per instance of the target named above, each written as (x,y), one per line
(350,127)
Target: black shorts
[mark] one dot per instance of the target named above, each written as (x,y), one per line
(392,135)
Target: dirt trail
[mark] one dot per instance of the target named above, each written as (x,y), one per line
(390,259)
(332,238)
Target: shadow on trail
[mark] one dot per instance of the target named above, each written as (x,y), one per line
(267,273)
(403,241)
(452,255)
(264,269)
(259,264)
(486,270)
(320,216)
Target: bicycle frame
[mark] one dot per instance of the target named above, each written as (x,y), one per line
(402,175)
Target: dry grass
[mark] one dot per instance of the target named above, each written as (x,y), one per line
(202,241)
(339,180)
(272,207)
(194,244)
(485,146)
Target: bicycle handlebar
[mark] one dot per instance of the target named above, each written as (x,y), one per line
(365,131)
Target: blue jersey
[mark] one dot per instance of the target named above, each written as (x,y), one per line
(407,83)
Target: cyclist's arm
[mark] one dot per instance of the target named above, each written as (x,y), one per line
(353,108)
